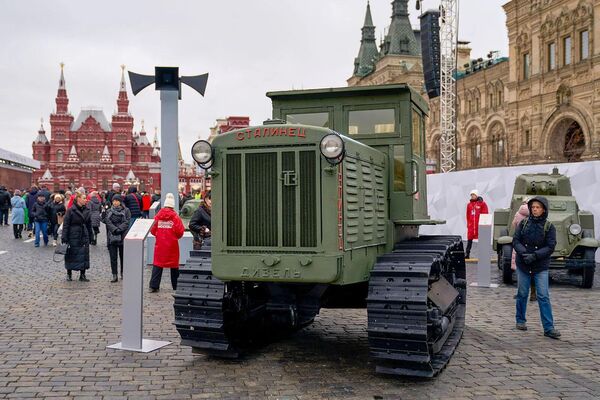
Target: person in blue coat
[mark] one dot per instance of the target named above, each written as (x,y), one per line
(17,218)
(534,242)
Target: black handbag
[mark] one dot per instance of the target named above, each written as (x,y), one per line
(60,250)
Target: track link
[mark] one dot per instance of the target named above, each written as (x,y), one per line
(402,338)
(199,308)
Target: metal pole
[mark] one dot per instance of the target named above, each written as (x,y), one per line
(169,163)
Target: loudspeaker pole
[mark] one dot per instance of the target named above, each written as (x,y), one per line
(168,82)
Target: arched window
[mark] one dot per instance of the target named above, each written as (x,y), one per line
(121,156)
(59,155)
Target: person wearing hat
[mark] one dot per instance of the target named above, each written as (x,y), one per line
(167,230)
(116,189)
(117,223)
(475,208)
(534,242)
(17,218)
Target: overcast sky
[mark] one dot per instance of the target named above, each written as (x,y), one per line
(248,47)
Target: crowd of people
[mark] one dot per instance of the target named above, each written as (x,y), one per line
(74,219)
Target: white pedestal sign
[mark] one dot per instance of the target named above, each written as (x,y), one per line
(484,252)
(133,291)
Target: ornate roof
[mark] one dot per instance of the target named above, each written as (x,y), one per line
(41,137)
(130,176)
(400,38)
(47,176)
(95,113)
(73,157)
(105,155)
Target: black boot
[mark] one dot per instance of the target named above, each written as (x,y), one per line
(69,275)
(114,278)
(82,277)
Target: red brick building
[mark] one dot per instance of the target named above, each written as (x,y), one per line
(92,152)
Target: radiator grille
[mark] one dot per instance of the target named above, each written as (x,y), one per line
(234,200)
(273,197)
(288,163)
(308,207)
(261,199)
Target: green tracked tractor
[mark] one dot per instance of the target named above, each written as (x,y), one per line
(321,207)
(575,239)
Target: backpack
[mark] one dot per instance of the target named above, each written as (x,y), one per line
(547,225)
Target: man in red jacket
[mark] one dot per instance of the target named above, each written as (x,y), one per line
(475,208)
(167,230)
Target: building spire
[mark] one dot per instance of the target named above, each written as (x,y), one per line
(401,38)
(122,100)
(368,54)
(62,101)
(123,87)
(61,81)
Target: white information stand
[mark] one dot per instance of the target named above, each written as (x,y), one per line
(133,292)
(152,212)
(484,252)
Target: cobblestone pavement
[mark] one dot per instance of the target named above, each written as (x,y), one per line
(54,333)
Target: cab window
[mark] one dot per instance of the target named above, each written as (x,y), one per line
(399,169)
(314,119)
(417,133)
(371,121)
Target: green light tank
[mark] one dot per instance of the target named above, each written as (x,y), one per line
(187,211)
(321,207)
(575,239)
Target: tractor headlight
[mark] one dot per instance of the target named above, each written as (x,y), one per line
(575,229)
(332,148)
(202,152)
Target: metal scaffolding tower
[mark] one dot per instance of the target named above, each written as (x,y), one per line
(448,57)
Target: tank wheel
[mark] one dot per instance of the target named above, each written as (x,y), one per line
(214,317)
(505,261)
(588,270)
(416,306)
(503,232)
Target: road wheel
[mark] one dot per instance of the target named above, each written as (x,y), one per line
(505,262)
(588,271)
(503,232)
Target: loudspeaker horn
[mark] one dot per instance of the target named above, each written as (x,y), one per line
(197,82)
(139,81)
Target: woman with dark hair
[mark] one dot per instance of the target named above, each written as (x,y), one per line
(200,223)
(57,213)
(117,223)
(78,233)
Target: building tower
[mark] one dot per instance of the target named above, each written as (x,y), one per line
(122,128)
(368,54)
(400,38)
(399,57)
(41,147)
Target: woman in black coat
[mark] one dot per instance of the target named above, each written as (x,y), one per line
(117,223)
(78,234)
(200,224)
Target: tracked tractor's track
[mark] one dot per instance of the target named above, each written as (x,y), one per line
(199,308)
(416,306)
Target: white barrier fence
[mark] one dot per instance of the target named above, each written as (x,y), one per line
(448,194)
